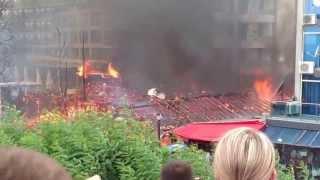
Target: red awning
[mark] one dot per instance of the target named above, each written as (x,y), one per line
(213,131)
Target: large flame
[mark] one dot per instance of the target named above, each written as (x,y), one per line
(87,69)
(264,89)
(112,71)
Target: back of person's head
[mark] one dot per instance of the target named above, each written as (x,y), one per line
(22,164)
(176,170)
(244,154)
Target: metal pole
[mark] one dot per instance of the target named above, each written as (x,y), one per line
(299,52)
(159,129)
(84,69)
(67,80)
(159,119)
(59,64)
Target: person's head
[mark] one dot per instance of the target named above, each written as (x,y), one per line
(176,170)
(21,164)
(244,154)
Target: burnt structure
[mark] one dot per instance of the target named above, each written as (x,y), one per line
(222,46)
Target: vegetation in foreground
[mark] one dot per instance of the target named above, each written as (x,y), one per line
(94,143)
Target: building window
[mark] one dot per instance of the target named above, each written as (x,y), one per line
(100,53)
(84,36)
(96,36)
(75,53)
(266,57)
(95,19)
(255,31)
(107,37)
(254,7)
(223,6)
(243,6)
(266,29)
(74,37)
(86,53)
(267,6)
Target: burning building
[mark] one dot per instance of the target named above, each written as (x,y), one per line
(213,60)
(219,46)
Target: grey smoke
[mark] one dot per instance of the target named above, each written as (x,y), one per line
(191,45)
(173,44)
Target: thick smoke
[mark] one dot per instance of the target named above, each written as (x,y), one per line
(177,45)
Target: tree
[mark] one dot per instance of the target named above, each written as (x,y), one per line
(6,39)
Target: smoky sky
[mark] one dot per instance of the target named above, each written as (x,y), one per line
(186,45)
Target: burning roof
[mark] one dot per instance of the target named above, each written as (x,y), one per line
(107,93)
(204,107)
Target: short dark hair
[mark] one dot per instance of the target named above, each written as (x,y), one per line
(176,170)
(22,164)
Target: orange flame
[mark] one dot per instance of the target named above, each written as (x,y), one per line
(84,70)
(88,69)
(112,71)
(264,89)
(80,71)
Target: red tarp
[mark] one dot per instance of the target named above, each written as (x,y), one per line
(212,131)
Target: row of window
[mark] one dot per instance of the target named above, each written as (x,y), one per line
(93,36)
(74,53)
(245,6)
(256,31)
(29,11)
(69,19)
(35,24)
(261,33)
(310,86)
(311,98)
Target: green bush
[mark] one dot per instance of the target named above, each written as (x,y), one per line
(95,143)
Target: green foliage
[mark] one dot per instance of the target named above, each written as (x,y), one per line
(11,114)
(12,126)
(285,173)
(91,144)
(95,143)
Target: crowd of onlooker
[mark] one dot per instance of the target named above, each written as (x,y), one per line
(241,154)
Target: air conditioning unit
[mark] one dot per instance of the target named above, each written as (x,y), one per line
(293,108)
(278,108)
(284,108)
(310,19)
(316,72)
(307,67)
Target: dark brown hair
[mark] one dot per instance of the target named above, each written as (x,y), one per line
(22,164)
(176,170)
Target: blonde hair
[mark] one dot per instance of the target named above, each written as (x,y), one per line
(244,154)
